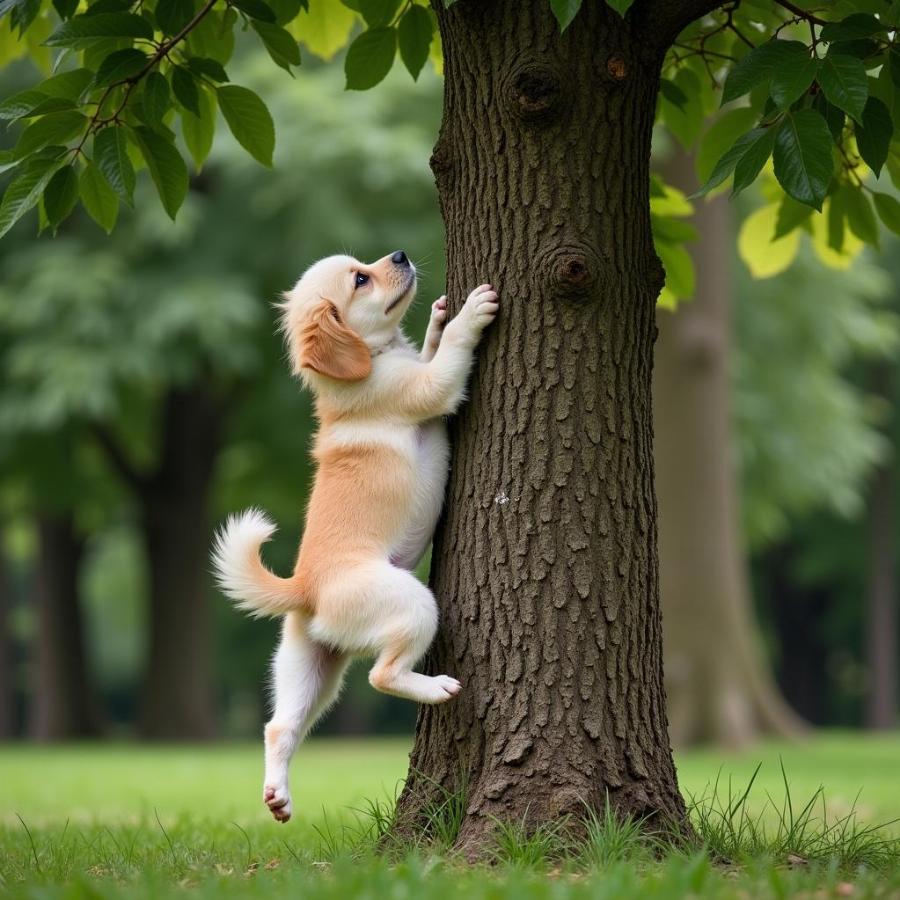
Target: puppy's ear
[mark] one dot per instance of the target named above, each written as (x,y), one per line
(328,346)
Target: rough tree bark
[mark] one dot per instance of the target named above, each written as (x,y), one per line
(177,701)
(718,685)
(61,705)
(545,562)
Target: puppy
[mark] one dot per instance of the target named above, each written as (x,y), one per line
(382,457)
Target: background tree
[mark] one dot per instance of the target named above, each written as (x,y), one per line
(722,690)
(542,168)
(104,356)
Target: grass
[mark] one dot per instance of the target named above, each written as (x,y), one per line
(136,821)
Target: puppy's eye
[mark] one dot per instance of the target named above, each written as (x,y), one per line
(361,279)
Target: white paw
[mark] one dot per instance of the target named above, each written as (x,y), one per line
(441,689)
(278,799)
(481,306)
(437,322)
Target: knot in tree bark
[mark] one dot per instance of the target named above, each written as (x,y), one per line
(441,161)
(534,92)
(572,272)
(617,67)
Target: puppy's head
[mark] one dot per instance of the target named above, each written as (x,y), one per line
(341,309)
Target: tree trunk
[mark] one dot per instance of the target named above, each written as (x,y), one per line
(178,699)
(545,564)
(881,621)
(7,684)
(719,687)
(61,704)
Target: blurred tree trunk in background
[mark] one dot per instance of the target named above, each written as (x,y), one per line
(177,702)
(718,685)
(61,704)
(881,619)
(7,688)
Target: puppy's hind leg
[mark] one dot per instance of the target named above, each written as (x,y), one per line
(404,640)
(307,677)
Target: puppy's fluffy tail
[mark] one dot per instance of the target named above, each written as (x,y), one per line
(240,572)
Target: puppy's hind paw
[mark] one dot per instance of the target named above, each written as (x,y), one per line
(278,799)
(445,688)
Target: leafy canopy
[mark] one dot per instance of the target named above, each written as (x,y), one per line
(804,96)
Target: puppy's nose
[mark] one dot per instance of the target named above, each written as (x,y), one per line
(400,258)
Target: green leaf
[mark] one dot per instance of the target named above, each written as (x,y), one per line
(98,198)
(280,44)
(414,37)
(156,98)
(82,30)
(120,65)
(61,195)
(214,36)
(211,68)
(185,89)
(844,81)
(369,58)
(833,116)
(374,12)
(54,128)
(674,94)
(21,104)
(565,11)
(675,231)
(287,10)
(753,159)
(65,8)
(199,131)
(720,137)
(803,160)
(861,48)
(25,191)
(858,25)
(255,9)
(70,85)
(893,62)
(685,122)
(874,133)
(791,215)
(167,168)
(861,216)
(791,80)
(249,120)
(51,104)
(759,65)
(729,160)
(173,15)
(30,103)
(620,6)
(111,158)
(888,210)
(679,267)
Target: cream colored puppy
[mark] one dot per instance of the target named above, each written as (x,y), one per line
(382,457)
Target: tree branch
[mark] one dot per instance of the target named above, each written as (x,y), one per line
(666,19)
(162,51)
(117,459)
(801,13)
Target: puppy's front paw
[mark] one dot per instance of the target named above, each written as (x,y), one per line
(278,799)
(481,306)
(436,324)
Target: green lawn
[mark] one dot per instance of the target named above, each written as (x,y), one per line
(130,820)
